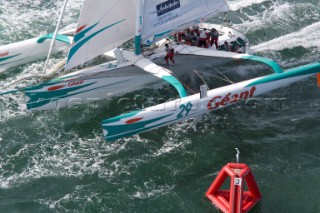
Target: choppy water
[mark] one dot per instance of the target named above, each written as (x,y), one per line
(57,161)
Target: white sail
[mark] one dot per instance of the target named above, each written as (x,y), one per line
(102,26)
(162,18)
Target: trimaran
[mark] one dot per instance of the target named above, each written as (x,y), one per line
(103,26)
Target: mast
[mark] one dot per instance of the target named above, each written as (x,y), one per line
(139,24)
(55,34)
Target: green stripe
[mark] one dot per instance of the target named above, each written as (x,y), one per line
(137,47)
(162,34)
(82,34)
(62,38)
(38,99)
(276,68)
(174,82)
(11,91)
(78,45)
(294,72)
(118,118)
(7,58)
(118,131)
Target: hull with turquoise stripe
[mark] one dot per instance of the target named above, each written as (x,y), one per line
(23,52)
(100,82)
(194,106)
(93,84)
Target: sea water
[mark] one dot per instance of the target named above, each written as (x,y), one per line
(57,161)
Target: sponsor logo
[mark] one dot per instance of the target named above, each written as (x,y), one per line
(167,6)
(75,83)
(229,98)
(4,54)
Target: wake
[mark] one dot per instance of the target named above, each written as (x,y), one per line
(307,37)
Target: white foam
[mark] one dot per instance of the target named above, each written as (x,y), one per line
(284,17)
(173,139)
(239,4)
(27,19)
(75,196)
(52,156)
(307,37)
(152,190)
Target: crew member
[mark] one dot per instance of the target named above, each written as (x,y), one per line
(214,34)
(203,38)
(169,55)
(189,37)
(226,47)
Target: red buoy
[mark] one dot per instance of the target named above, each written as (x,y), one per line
(235,200)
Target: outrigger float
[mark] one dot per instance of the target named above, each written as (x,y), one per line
(149,24)
(23,52)
(198,104)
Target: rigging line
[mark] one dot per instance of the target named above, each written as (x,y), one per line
(215,76)
(207,4)
(55,35)
(226,78)
(196,72)
(227,5)
(184,84)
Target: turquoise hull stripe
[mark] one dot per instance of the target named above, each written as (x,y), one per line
(137,47)
(77,46)
(174,82)
(40,86)
(39,99)
(9,57)
(276,68)
(11,62)
(294,72)
(118,118)
(10,92)
(62,38)
(119,131)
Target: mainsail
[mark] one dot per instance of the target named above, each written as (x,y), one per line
(162,18)
(106,24)
(102,26)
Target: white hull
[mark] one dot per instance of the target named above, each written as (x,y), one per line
(194,106)
(93,84)
(23,52)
